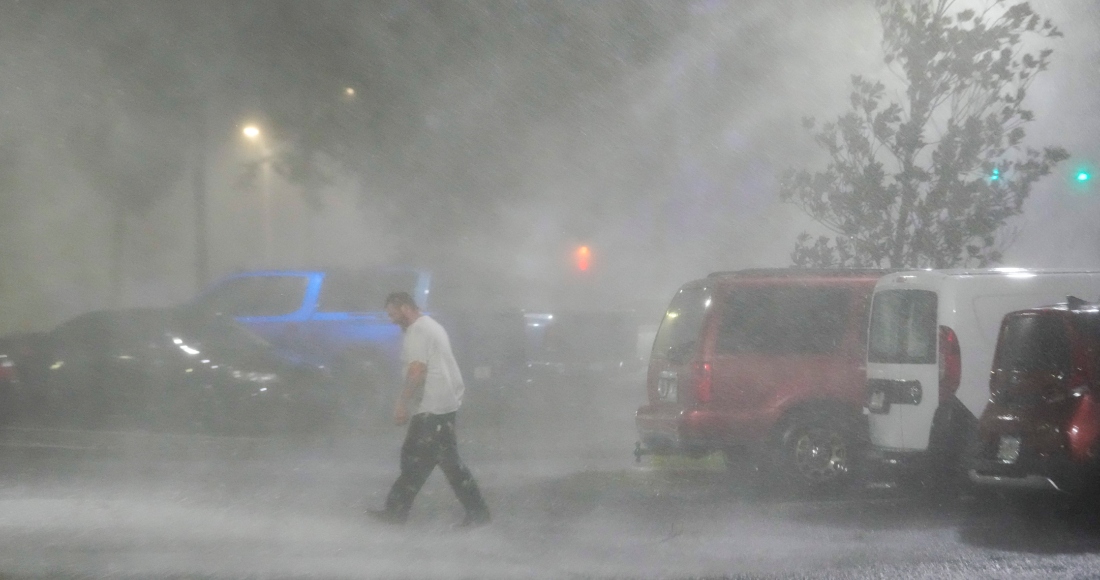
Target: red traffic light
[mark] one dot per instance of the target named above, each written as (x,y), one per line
(582,258)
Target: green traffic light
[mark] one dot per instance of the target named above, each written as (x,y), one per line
(996,175)
(1083,176)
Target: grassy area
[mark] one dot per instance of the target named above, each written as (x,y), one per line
(712,462)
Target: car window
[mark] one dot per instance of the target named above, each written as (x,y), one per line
(903,327)
(783,320)
(682,323)
(1034,343)
(363,292)
(255,296)
(990,310)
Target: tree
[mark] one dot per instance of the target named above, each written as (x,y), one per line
(930,179)
(131,173)
(447,97)
(133,135)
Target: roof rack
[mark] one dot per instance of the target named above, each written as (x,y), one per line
(793,271)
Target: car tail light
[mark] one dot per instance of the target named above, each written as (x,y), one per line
(950,363)
(7,370)
(701,376)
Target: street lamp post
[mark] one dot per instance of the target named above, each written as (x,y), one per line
(198,185)
(253,134)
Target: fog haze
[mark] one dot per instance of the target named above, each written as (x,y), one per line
(150,148)
(491,137)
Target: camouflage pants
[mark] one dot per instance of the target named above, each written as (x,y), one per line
(431,441)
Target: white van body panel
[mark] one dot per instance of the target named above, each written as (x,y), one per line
(972,303)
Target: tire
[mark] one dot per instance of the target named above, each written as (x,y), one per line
(952,443)
(817,452)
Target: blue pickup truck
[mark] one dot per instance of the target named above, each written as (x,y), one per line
(335,319)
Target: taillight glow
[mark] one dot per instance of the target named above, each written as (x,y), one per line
(950,363)
(1085,429)
(582,257)
(701,378)
(7,370)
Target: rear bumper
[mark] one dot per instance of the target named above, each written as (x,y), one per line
(893,465)
(1057,474)
(1031,447)
(1034,482)
(1052,473)
(673,430)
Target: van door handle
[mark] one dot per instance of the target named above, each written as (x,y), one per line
(881,393)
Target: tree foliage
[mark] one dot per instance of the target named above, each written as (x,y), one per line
(134,139)
(929,178)
(446,94)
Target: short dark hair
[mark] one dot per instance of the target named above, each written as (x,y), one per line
(401,299)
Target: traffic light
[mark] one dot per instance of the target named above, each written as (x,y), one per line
(995,175)
(582,258)
(1080,178)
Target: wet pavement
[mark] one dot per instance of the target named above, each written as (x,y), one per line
(568,501)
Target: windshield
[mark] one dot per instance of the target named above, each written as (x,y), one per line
(783,320)
(217,333)
(903,327)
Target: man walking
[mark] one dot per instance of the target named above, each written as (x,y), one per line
(433,392)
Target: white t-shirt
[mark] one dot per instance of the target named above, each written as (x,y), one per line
(426,341)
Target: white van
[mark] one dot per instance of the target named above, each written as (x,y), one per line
(930,349)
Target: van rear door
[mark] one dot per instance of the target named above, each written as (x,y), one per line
(902,367)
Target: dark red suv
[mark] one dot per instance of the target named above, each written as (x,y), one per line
(765,361)
(1041,428)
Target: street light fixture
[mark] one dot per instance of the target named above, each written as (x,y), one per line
(251,132)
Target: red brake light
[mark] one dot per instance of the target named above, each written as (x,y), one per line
(701,378)
(582,257)
(950,363)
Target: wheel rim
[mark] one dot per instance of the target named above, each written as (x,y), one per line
(821,455)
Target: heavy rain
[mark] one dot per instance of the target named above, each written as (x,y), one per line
(733,289)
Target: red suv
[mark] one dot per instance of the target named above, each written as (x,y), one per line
(1041,427)
(765,361)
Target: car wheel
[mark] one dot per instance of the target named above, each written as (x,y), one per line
(953,441)
(817,453)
